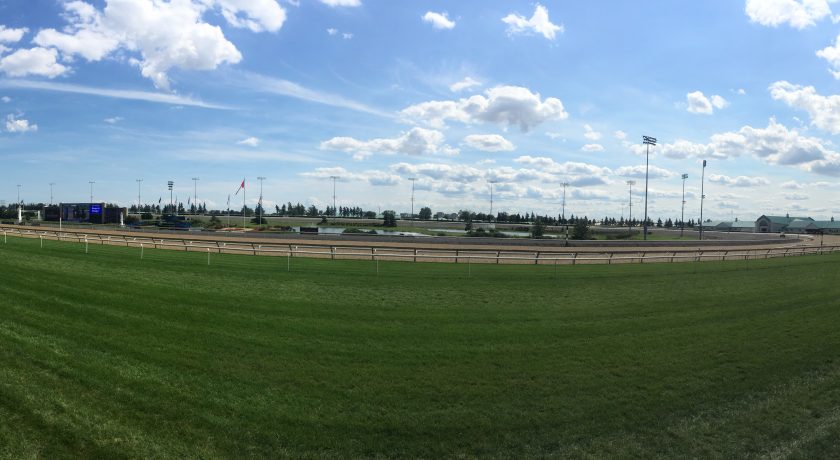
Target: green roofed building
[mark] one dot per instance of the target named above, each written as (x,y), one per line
(778,224)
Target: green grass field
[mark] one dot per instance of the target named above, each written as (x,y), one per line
(105,355)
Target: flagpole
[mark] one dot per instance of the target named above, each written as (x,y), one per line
(243,205)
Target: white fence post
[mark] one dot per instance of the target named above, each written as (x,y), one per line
(141,251)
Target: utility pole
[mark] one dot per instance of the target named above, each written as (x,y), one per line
(261,179)
(702,197)
(630,183)
(413,180)
(51,192)
(648,141)
(334,178)
(91,182)
(139,181)
(170,185)
(491,182)
(563,214)
(195,192)
(682,218)
(18,200)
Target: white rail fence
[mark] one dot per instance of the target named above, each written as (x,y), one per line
(334,252)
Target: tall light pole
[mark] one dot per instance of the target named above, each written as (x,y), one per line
(91,182)
(139,181)
(648,141)
(413,180)
(334,178)
(491,182)
(195,191)
(630,183)
(682,218)
(51,192)
(261,179)
(563,214)
(170,185)
(18,200)
(702,197)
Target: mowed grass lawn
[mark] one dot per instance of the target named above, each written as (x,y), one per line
(105,355)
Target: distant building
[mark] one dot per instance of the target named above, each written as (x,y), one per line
(94,213)
(778,224)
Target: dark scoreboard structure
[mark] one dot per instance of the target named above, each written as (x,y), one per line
(94,213)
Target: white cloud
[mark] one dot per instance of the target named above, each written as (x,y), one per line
(792,185)
(147,96)
(505,105)
(775,144)
(250,142)
(6,99)
(823,110)
(347,36)
(741,92)
(554,135)
(336,3)
(699,103)
(740,181)
(797,197)
(466,83)
(620,135)
(417,141)
(593,148)
(332,31)
(639,172)
(438,20)
(799,14)
(539,23)
(113,120)
(10,35)
(34,61)
(489,143)
(832,55)
(590,133)
(159,36)
(375,178)
(19,125)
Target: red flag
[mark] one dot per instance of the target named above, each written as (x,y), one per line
(241,187)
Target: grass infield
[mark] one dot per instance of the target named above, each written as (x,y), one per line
(107,355)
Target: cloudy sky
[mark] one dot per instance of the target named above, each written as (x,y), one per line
(454,94)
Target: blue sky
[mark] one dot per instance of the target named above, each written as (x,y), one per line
(455,94)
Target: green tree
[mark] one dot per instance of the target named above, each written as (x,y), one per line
(389,219)
(425,213)
(581,230)
(538,228)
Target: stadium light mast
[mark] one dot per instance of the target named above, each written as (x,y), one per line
(18,200)
(91,182)
(491,182)
(682,217)
(139,181)
(648,141)
(702,197)
(630,183)
(563,214)
(261,179)
(413,180)
(170,185)
(334,178)
(195,191)
(51,192)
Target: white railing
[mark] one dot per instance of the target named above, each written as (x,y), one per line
(509,256)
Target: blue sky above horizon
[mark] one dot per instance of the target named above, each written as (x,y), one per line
(456,94)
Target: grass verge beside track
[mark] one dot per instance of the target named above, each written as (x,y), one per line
(105,355)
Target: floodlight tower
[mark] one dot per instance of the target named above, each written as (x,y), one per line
(682,218)
(195,191)
(261,179)
(334,178)
(491,182)
(648,141)
(702,197)
(52,184)
(139,181)
(170,185)
(563,214)
(413,180)
(18,200)
(91,182)
(630,183)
